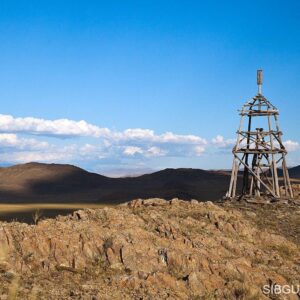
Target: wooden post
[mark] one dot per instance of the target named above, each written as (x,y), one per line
(260,148)
(277,192)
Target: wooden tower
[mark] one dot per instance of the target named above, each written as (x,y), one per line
(259,151)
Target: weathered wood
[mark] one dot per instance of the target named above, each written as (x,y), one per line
(258,151)
(263,148)
(235,178)
(276,184)
(284,167)
(257,178)
(229,193)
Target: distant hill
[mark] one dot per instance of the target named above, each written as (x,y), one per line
(56,183)
(294,172)
(36,182)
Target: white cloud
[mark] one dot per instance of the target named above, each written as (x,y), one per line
(71,128)
(51,155)
(9,140)
(132,150)
(168,137)
(60,127)
(291,145)
(98,143)
(150,152)
(130,141)
(136,134)
(220,142)
(88,149)
(110,143)
(155,151)
(24,157)
(199,150)
(140,144)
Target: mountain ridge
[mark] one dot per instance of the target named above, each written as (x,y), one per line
(64,183)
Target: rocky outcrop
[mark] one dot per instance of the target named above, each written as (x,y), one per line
(145,249)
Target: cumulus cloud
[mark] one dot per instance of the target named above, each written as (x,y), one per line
(49,154)
(291,145)
(199,150)
(88,149)
(168,137)
(132,150)
(133,142)
(31,156)
(71,128)
(60,127)
(220,142)
(150,152)
(9,140)
(155,151)
(97,143)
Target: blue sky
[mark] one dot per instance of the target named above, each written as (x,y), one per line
(142,70)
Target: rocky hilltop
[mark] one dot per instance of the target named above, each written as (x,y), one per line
(153,249)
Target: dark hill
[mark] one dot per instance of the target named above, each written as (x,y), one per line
(35,182)
(295,172)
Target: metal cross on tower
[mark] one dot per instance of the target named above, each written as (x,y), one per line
(259,151)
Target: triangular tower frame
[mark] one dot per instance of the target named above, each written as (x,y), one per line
(259,151)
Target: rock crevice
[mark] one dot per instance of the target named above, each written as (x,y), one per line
(146,249)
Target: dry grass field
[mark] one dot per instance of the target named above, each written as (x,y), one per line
(9,208)
(33,212)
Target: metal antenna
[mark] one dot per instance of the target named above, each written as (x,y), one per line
(259,80)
